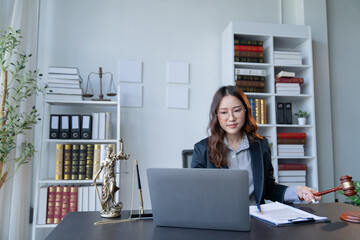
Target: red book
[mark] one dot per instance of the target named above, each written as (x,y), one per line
(73,198)
(291,135)
(50,205)
(289,80)
(249,54)
(292,166)
(58,204)
(248,48)
(65,204)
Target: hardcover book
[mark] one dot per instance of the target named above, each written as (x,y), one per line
(291,141)
(248,42)
(289,80)
(50,205)
(249,54)
(248,48)
(292,135)
(63,70)
(89,161)
(75,154)
(253,89)
(58,204)
(247,71)
(96,159)
(243,83)
(59,162)
(73,198)
(67,162)
(285,74)
(65,204)
(249,59)
(292,166)
(82,162)
(249,77)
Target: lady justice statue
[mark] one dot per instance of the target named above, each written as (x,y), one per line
(110,208)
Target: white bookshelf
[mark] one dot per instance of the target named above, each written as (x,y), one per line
(45,173)
(278,37)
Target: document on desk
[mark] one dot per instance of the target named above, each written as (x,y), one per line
(279,214)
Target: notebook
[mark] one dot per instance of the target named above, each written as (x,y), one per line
(200,198)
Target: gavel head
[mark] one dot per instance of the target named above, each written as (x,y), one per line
(348,185)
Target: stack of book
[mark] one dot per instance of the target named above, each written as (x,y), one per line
(258,110)
(64,83)
(287,83)
(291,144)
(287,58)
(248,50)
(250,80)
(292,174)
(79,161)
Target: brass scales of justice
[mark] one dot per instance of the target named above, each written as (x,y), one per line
(89,90)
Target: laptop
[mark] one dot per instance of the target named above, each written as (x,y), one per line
(200,198)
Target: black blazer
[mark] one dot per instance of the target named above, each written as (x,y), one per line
(265,186)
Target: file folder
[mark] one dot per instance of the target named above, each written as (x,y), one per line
(86,127)
(75,126)
(54,126)
(64,126)
(288,113)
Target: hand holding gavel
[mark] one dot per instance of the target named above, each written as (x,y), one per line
(347,185)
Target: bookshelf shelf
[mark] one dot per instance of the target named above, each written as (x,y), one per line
(46,157)
(278,37)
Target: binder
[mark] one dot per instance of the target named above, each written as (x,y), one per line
(54,126)
(64,126)
(288,113)
(280,113)
(75,126)
(86,126)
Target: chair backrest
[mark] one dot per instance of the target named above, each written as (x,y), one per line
(186,157)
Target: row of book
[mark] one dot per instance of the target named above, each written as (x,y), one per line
(291,144)
(258,110)
(64,83)
(57,201)
(85,126)
(292,174)
(79,161)
(250,80)
(248,50)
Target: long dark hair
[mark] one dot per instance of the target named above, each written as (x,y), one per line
(217,149)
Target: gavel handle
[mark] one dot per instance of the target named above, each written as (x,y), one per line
(328,191)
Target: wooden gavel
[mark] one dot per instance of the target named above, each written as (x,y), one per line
(347,185)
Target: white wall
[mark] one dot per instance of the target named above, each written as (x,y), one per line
(344,51)
(89,34)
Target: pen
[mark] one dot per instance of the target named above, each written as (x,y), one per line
(140,191)
(258,207)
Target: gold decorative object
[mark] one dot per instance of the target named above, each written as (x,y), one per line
(110,208)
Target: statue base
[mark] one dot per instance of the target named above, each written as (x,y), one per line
(112,212)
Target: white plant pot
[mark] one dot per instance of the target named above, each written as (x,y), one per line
(302,121)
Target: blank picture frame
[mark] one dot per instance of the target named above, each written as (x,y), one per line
(178,72)
(177,97)
(130,71)
(131,95)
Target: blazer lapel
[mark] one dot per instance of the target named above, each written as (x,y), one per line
(257,166)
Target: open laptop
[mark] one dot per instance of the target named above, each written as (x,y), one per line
(200,198)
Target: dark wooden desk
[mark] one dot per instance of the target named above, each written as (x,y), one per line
(80,225)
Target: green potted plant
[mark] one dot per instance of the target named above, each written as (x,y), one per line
(301,117)
(355,200)
(17,85)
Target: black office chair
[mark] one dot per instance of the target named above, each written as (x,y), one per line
(186,157)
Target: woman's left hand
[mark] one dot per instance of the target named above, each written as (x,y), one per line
(307,194)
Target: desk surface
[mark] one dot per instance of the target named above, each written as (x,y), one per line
(80,225)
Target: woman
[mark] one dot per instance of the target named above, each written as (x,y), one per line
(234,144)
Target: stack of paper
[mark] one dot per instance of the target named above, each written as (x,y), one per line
(279,214)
